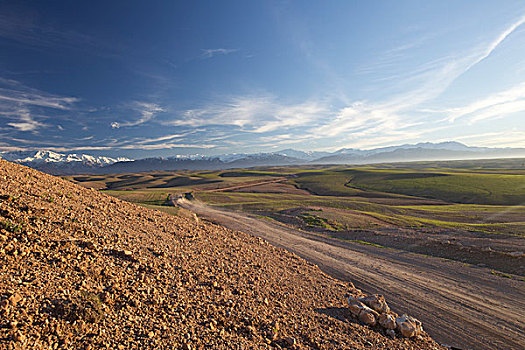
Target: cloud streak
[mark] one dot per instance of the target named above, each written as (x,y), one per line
(512,138)
(26,122)
(106,148)
(35,32)
(496,105)
(252,114)
(392,119)
(22,106)
(147,112)
(364,122)
(13,92)
(494,44)
(408,113)
(209,53)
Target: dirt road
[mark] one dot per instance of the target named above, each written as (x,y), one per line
(459,305)
(247,184)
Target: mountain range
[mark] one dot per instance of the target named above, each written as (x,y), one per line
(62,164)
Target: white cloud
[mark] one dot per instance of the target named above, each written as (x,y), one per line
(162,138)
(499,111)
(496,105)
(281,140)
(166,145)
(511,138)
(494,44)
(106,148)
(390,119)
(253,114)
(15,93)
(63,103)
(26,121)
(209,53)
(23,107)
(147,112)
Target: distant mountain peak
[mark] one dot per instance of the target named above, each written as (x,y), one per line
(47,156)
(74,163)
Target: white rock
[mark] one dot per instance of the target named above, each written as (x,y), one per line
(387,321)
(355,306)
(408,326)
(376,302)
(368,316)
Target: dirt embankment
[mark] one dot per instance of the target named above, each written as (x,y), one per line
(460,305)
(81,270)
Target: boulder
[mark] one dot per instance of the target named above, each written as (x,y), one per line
(377,302)
(387,321)
(368,316)
(355,306)
(409,326)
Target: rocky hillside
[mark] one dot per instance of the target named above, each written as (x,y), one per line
(81,270)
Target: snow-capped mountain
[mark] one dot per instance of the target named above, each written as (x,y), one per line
(61,164)
(305,155)
(42,156)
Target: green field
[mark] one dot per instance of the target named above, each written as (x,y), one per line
(446,209)
(467,187)
(477,196)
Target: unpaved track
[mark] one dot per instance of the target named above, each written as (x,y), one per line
(247,184)
(459,305)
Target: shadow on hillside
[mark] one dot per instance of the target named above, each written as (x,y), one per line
(339,313)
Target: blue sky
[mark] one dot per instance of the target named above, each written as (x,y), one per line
(159,78)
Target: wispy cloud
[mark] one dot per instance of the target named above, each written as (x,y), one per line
(510,138)
(494,44)
(14,92)
(499,111)
(166,145)
(209,53)
(394,118)
(162,138)
(365,123)
(21,107)
(274,141)
(26,121)
(147,112)
(34,31)
(162,146)
(252,114)
(495,105)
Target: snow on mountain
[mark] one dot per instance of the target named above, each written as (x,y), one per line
(348,151)
(314,155)
(50,157)
(303,155)
(73,163)
(231,157)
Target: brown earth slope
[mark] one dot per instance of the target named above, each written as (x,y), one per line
(81,270)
